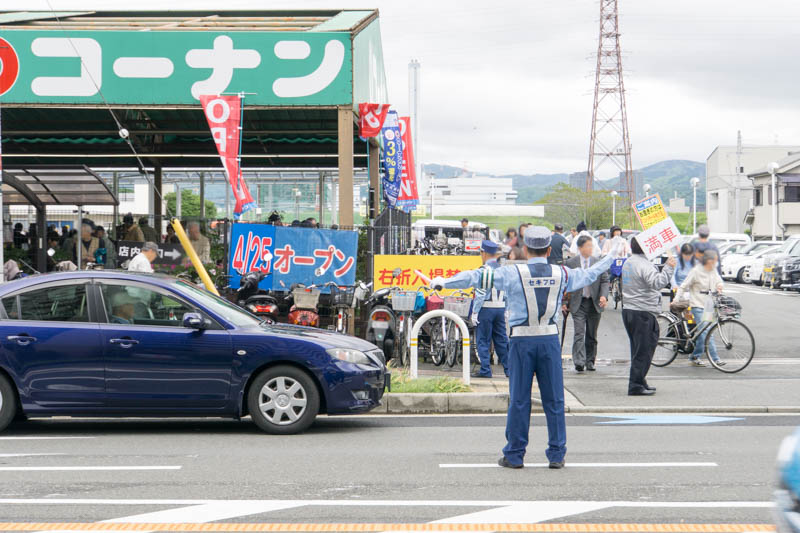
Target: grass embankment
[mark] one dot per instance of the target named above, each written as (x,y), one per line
(402,382)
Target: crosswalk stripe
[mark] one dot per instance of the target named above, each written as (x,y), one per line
(376,527)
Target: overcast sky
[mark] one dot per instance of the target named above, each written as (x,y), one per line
(508,88)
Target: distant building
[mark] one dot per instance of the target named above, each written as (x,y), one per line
(577,180)
(677,205)
(787,188)
(473,196)
(729,192)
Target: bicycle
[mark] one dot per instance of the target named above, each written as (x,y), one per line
(616,280)
(459,303)
(343,299)
(403,303)
(734,340)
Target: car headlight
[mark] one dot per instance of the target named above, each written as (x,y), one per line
(351,356)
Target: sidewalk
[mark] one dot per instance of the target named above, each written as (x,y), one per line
(763,388)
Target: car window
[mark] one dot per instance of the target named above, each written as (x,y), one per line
(137,305)
(62,303)
(232,313)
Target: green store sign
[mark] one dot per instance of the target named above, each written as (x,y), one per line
(174,68)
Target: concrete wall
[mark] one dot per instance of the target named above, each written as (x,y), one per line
(722,181)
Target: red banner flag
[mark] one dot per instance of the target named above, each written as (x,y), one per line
(408,197)
(224,115)
(372,118)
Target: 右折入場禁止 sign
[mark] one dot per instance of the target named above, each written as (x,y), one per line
(175,67)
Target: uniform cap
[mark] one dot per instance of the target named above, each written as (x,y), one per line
(490,247)
(537,237)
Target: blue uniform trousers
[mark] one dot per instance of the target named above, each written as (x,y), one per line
(492,326)
(540,357)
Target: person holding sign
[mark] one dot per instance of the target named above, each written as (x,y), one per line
(533,295)
(641,302)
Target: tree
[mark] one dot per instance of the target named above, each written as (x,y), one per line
(190,204)
(569,206)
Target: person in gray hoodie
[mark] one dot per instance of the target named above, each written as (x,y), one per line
(641,300)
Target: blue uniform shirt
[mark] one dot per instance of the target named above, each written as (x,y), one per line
(506,279)
(481,295)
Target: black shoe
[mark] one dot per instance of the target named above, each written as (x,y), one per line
(556,465)
(505,464)
(590,367)
(641,392)
(579,368)
(648,387)
(477,375)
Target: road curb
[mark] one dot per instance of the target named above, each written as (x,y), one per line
(497,403)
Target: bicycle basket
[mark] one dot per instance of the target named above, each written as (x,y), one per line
(458,304)
(344,296)
(305,299)
(728,307)
(434,302)
(404,300)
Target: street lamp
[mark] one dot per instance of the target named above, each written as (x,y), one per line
(773,167)
(433,190)
(695,182)
(614,208)
(646,188)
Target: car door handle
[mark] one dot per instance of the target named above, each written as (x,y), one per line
(124,343)
(22,340)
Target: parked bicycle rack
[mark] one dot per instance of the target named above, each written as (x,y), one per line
(464,335)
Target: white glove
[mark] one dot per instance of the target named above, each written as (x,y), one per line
(474,319)
(437,283)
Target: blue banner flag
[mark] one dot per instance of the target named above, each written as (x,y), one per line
(292,255)
(391,141)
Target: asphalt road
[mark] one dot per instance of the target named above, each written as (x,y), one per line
(390,470)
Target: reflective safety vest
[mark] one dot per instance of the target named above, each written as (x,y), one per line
(542,294)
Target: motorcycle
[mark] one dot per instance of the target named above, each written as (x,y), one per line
(248,297)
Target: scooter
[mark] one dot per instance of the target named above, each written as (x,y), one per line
(382,323)
(303,311)
(260,304)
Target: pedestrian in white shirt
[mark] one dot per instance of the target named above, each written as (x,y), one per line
(142,261)
(573,247)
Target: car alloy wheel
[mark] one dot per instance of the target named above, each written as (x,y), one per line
(8,403)
(282,400)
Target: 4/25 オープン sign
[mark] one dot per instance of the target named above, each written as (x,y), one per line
(134,67)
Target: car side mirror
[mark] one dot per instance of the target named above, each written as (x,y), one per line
(194,321)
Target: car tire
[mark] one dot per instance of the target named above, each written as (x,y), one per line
(740,276)
(8,403)
(283,400)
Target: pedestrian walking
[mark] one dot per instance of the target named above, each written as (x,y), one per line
(517,251)
(586,306)
(641,303)
(142,262)
(686,262)
(533,295)
(489,310)
(557,245)
(703,232)
(697,287)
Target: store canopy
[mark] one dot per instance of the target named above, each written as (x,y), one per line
(55,185)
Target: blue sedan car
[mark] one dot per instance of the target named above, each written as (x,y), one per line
(110,343)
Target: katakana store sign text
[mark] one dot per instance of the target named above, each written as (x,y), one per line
(163,67)
(292,255)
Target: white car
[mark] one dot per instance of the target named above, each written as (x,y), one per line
(735,265)
(754,271)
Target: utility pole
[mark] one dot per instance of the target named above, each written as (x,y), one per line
(738,182)
(414,112)
(610,140)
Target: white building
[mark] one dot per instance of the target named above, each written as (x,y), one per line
(473,196)
(729,192)
(787,189)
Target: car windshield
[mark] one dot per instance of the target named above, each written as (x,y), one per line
(233,314)
(787,246)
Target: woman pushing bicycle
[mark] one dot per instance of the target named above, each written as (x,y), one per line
(701,281)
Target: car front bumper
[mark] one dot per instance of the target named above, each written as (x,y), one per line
(355,389)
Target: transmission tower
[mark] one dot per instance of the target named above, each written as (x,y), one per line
(610,141)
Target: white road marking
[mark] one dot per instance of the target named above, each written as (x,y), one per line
(209,512)
(82,468)
(43,438)
(5,455)
(584,465)
(525,513)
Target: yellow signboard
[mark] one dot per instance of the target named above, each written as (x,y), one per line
(650,211)
(429,265)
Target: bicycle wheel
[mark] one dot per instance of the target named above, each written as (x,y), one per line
(452,343)
(668,339)
(735,346)
(437,342)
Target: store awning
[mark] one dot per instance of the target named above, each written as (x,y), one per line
(41,186)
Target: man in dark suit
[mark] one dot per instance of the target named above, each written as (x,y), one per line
(586,305)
